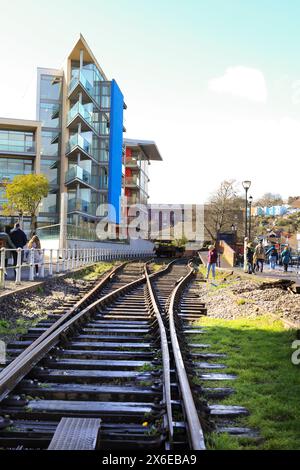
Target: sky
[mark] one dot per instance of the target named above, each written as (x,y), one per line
(215,83)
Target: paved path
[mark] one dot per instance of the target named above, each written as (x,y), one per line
(277,273)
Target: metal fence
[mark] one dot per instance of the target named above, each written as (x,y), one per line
(28,264)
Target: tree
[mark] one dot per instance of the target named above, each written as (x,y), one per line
(224,208)
(269,200)
(24,194)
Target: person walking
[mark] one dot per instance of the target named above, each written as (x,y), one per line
(250,255)
(5,242)
(286,258)
(35,243)
(212,261)
(273,256)
(259,254)
(19,239)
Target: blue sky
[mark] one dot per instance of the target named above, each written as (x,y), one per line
(215,83)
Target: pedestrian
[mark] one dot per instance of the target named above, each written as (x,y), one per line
(250,255)
(19,239)
(260,257)
(5,242)
(286,258)
(212,261)
(273,256)
(35,243)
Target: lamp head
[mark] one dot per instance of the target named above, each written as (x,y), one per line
(246,184)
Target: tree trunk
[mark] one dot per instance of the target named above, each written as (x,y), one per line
(33,225)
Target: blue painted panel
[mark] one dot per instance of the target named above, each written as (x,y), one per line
(115,151)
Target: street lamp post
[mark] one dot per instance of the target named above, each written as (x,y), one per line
(250,205)
(246,186)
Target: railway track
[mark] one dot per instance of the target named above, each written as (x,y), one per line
(115,370)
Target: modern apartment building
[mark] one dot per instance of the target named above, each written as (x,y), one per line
(82,141)
(77,142)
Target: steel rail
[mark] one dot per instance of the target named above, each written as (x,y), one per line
(165,353)
(21,366)
(63,319)
(194,426)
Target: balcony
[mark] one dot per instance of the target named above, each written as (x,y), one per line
(132,181)
(77,175)
(132,163)
(17,147)
(132,200)
(80,205)
(79,114)
(77,143)
(78,85)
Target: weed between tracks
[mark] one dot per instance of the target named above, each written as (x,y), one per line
(268,384)
(93,272)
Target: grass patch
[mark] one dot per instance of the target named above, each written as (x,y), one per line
(268,384)
(241,301)
(94,272)
(157,266)
(16,327)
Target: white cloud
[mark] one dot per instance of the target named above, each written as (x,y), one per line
(241,81)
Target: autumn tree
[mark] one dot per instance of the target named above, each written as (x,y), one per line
(24,194)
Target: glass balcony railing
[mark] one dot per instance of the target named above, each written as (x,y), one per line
(77,140)
(132,181)
(16,146)
(78,108)
(82,80)
(80,205)
(79,173)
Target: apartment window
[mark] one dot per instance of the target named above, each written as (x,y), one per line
(103,178)
(11,167)
(49,204)
(48,148)
(16,141)
(48,171)
(47,110)
(105,96)
(50,87)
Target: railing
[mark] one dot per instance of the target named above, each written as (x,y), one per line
(132,162)
(45,263)
(78,108)
(78,172)
(73,232)
(84,82)
(80,205)
(78,140)
(132,180)
(16,146)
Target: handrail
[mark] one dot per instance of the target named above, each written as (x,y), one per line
(194,426)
